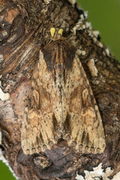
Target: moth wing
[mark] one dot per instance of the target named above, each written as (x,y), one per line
(83,123)
(62,106)
(40,125)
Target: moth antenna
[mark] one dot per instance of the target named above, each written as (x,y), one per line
(60,31)
(52,31)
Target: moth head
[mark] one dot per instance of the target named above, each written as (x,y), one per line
(56,34)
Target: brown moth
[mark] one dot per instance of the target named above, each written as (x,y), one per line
(62,105)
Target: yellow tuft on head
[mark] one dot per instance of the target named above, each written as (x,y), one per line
(52,31)
(60,31)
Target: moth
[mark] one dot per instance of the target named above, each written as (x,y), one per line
(62,105)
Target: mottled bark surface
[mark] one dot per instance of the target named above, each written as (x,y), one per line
(24,30)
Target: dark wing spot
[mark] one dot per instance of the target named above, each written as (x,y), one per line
(55,123)
(67,124)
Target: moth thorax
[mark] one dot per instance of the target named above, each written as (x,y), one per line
(59,72)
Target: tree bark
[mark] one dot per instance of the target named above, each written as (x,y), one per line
(25,29)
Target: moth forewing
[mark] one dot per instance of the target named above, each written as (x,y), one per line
(66,107)
(85,124)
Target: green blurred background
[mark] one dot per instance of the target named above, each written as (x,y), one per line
(105,17)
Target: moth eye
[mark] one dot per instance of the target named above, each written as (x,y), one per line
(52,31)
